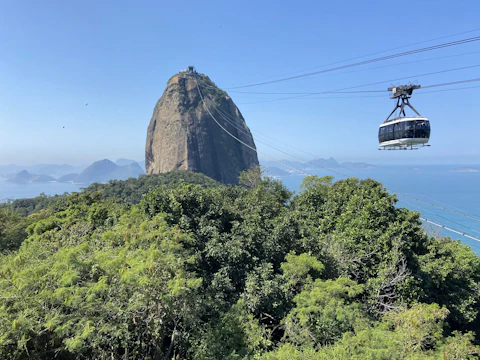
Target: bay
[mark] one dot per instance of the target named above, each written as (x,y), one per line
(11,191)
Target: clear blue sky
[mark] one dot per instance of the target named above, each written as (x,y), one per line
(57,56)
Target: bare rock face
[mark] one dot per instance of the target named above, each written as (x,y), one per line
(182,134)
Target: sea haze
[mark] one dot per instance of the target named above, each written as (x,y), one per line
(20,191)
(452,186)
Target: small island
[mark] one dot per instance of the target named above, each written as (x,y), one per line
(24,177)
(467,170)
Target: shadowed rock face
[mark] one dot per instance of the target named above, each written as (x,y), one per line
(182,135)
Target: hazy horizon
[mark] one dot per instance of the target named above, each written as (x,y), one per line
(425,161)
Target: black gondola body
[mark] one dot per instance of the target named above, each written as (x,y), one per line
(404,132)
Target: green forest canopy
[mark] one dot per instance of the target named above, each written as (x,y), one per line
(159,267)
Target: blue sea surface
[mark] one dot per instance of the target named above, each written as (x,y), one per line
(441,185)
(10,191)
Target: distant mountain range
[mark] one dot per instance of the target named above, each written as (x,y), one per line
(122,169)
(274,168)
(100,171)
(53,170)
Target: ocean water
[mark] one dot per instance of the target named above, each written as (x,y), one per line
(20,191)
(441,185)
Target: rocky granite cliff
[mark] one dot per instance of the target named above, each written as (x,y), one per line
(182,135)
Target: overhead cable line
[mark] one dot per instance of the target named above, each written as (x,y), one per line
(462,88)
(423,86)
(353,92)
(365,85)
(382,96)
(453,207)
(371,54)
(451,83)
(441,207)
(450,229)
(440,216)
(349,72)
(343,73)
(363,96)
(383,58)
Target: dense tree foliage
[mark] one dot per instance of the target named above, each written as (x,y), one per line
(150,269)
(132,190)
(15,216)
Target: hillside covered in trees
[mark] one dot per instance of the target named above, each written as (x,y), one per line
(164,268)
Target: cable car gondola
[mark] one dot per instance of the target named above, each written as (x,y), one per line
(404,132)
